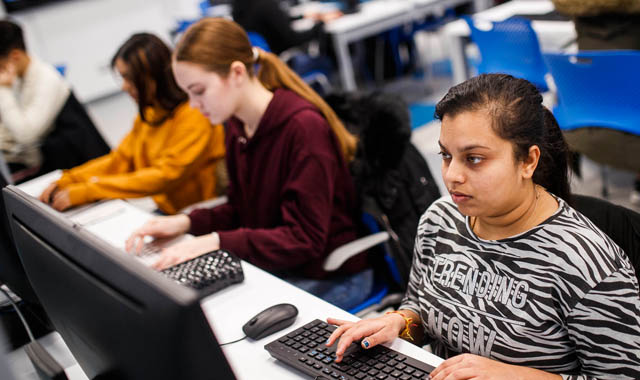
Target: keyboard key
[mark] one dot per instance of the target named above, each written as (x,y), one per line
(208,273)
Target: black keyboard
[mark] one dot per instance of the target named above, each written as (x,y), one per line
(305,350)
(208,273)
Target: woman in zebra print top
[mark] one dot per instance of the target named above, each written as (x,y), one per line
(508,281)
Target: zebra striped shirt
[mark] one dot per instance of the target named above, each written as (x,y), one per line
(561,297)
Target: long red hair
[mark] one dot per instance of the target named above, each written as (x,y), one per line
(215,43)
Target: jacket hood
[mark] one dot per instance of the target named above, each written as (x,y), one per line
(381,122)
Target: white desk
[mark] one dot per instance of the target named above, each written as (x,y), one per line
(552,35)
(229,309)
(373,17)
(226,310)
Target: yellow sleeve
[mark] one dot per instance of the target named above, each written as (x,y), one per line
(119,160)
(190,137)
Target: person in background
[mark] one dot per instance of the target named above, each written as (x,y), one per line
(32,93)
(269,19)
(291,197)
(508,281)
(171,154)
(606,25)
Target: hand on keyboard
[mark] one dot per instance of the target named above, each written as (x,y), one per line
(186,250)
(370,332)
(160,227)
(304,349)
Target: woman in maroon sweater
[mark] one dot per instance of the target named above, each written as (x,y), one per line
(291,197)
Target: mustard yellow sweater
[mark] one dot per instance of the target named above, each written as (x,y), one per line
(173,162)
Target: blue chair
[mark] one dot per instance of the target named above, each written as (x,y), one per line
(395,187)
(388,286)
(598,89)
(305,66)
(258,41)
(511,47)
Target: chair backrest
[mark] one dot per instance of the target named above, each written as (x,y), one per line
(511,47)
(597,89)
(301,63)
(74,139)
(621,224)
(258,41)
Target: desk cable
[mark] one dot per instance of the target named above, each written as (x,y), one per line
(234,341)
(17,309)
(46,366)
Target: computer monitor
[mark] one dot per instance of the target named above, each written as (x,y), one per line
(119,318)
(11,271)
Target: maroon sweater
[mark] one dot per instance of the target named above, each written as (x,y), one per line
(291,197)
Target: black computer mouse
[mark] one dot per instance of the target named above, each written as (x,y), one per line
(270,320)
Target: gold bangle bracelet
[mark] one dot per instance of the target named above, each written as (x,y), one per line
(406,333)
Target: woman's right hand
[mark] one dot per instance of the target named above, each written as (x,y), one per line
(160,227)
(372,332)
(46,195)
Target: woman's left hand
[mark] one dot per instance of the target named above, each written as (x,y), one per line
(469,366)
(61,200)
(186,250)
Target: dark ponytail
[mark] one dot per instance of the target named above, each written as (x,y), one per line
(553,167)
(518,115)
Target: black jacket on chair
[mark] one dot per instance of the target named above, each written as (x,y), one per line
(392,178)
(74,139)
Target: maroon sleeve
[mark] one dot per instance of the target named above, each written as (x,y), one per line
(207,220)
(306,208)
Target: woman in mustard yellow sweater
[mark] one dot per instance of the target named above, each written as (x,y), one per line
(172,153)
